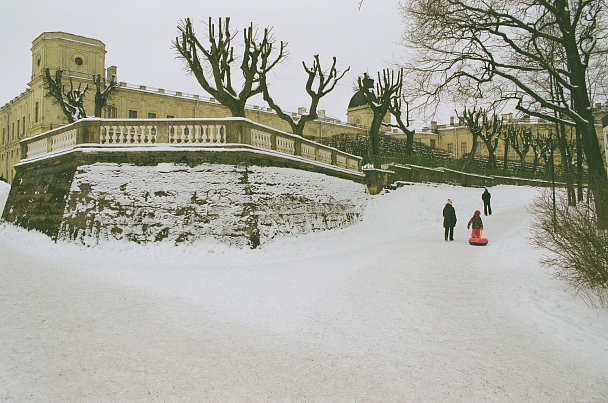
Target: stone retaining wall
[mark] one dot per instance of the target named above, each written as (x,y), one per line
(237,196)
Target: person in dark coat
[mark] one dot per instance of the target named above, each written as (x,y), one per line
(449,220)
(485,196)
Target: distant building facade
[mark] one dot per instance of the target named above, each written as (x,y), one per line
(80,58)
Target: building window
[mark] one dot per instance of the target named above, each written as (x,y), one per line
(151,115)
(111,112)
(451,148)
(18,132)
(78,61)
(433,143)
(132,114)
(36,113)
(170,117)
(463,148)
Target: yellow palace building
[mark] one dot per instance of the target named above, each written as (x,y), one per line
(80,58)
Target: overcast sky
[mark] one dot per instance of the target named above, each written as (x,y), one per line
(138,36)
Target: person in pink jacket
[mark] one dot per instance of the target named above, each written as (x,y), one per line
(476,223)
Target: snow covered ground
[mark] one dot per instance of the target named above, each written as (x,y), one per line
(384,310)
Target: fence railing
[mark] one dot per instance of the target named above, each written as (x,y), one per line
(184,132)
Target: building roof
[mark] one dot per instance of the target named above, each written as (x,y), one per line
(358,99)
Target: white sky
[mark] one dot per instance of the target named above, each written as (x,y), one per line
(138,36)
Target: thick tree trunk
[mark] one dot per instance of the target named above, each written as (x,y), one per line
(374,135)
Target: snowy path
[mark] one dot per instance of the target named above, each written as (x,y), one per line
(381,311)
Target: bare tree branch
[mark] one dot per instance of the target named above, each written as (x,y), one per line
(257,60)
(326,82)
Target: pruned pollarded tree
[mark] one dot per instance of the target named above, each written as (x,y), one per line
(471,119)
(325,83)
(212,63)
(504,136)
(485,126)
(71,102)
(103,91)
(511,51)
(545,146)
(396,109)
(521,139)
(386,98)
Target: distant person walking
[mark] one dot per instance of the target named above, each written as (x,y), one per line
(449,220)
(486,196)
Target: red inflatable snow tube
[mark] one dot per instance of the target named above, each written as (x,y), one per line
(478,241)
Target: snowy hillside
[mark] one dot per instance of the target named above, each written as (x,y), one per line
(383,310)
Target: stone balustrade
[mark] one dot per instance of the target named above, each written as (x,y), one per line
(183,132)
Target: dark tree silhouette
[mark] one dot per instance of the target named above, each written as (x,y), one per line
(486,127)
(521,139)
(471,119)
(218,55)
(512,50)
(71,102)
(385,99)
(396,109)
(103,91)
(325,83)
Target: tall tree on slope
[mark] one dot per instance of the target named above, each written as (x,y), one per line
(510,51)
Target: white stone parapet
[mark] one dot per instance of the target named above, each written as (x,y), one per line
(177,132)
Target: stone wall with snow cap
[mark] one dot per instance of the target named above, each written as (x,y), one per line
(237,204)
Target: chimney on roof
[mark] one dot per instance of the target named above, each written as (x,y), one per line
(111,72)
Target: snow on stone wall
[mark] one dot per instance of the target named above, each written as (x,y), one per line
(178,203)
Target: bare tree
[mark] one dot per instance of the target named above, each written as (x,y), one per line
(471,118)
(103,90)
(510,50)
(325,83)
(486,127)
(218,55)
(385,99)
(506,141)
(396,109)
(71,102)
(566,145)
(540,151)
(521,139)
(546,145)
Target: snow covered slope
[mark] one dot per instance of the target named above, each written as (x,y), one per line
(383,310)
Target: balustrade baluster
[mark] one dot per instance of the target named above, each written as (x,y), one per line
(171,135)
(131,133)
(197,134)
(190,134)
